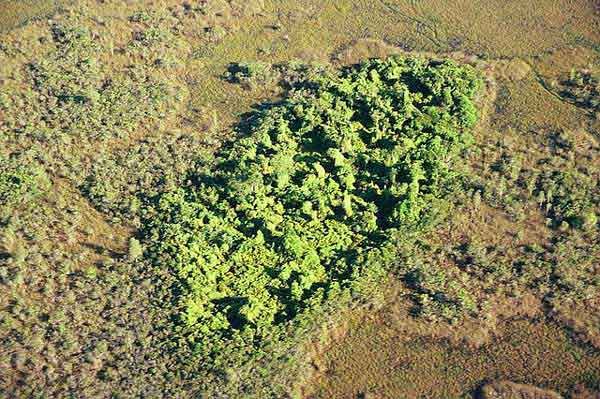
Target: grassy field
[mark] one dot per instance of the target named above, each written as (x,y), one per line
(18,12)
(533,352)
(107,104)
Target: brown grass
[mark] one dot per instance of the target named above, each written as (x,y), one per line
(374,359)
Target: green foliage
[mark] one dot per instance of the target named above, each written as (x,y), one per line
(20,181)
(583,88)
(438,295)
(117,183)
(290,216)
(72,99)
(251,74)
(135,250)
(568,196)
(84,316)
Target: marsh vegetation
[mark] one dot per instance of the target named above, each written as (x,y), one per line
(262,198)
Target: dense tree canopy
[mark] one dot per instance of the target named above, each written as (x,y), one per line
(287,217)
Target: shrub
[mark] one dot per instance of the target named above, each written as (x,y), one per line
(251,74)
(135,249)
(20,181)
(583,88)
(74,97)
(567,196)
(118,183)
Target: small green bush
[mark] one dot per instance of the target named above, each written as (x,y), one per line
(251,74)
(20,181)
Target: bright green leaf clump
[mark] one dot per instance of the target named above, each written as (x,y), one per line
(287,218)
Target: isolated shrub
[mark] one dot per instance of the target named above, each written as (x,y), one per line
(251,74)
(20,181)
(135,250)
(290,215)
